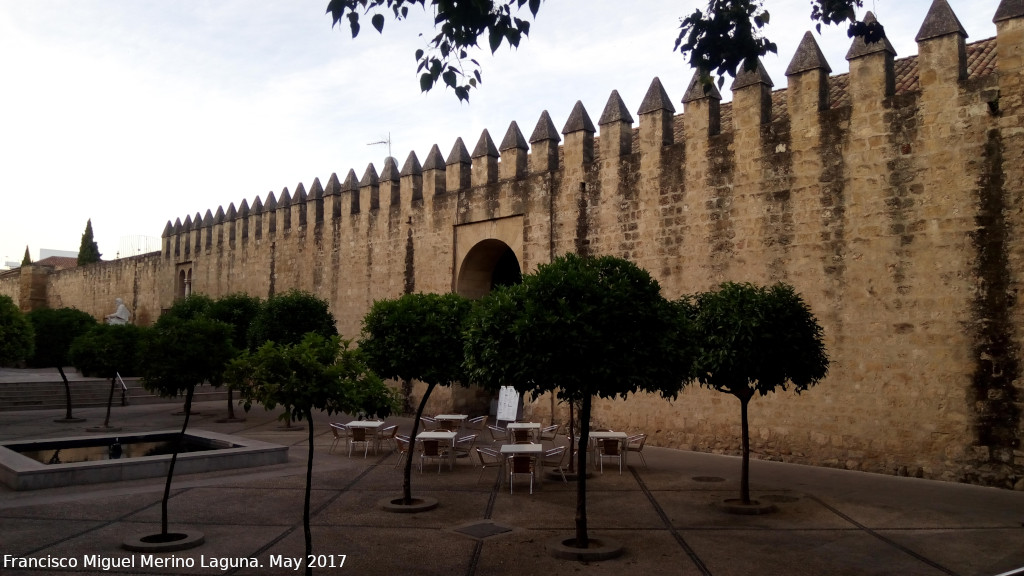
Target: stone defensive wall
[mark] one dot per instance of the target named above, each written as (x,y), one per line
(890,197)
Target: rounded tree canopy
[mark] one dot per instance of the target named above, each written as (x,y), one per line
(286,318)
(17,339)
(417,336)
(55,329)
(756,339)
(582,326)
(107,350)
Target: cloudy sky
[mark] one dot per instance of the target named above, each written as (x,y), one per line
(133,113)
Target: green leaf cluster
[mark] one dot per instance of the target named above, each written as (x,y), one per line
(459,26)
(417,337)
(757,339)
(317,373)
(582,327)
(55,329)
(106,350)
(286,318)
(181,353)
(17,338)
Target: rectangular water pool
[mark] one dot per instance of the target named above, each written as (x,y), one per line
(53,462)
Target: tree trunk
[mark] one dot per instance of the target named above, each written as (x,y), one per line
(309,489)
(582,540)
(110,401)
(231,404)
(745,433)
(407,480)
(406,396)
(67,393)
(174,458)
(572,437)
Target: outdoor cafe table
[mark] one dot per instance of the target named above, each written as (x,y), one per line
(371,426)
(533,449)
(441,436)
(456,419)
(532,427)
(620,436)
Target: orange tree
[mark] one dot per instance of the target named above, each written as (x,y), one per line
(755,340)
(580,327)
(180,354)
(417,337)
(106,351)
(317,373)
(55,329)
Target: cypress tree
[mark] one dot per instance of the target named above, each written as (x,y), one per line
(26,260)
(88,251)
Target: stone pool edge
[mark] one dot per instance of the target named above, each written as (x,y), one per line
(20,472)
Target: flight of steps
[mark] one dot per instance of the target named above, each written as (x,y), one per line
(45,393)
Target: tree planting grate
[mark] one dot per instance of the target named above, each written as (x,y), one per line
(482,530)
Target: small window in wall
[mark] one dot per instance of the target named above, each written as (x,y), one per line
(183,285)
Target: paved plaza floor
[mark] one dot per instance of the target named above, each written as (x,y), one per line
(829,522)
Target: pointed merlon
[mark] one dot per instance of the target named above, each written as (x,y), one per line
(545,129)
(369,177)
(485,146)
(1008,10)
(434,159)
(333,185)
(699,90)
(178,226)
(231,214)
(243,209)
(862,48)
(316,192)
(257,206)
(187,226)
(940,21)
(197,220)
(615,110)
(351,181)
(218,218)
(412,166)
(271,203)
(390,172)
(168,229)
(745,77)
(808,57)
(300,194)
(459,154)
(285,199)
(656,99)
(514,139)
(579,120)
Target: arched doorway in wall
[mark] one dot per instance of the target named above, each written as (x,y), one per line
(489,263)
(183,282)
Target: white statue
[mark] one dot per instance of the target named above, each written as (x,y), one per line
(121,315)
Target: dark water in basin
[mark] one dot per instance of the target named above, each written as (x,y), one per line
(97,449)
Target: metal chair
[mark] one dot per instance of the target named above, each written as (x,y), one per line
(498,434)
(608,448)
(635,443)
(428,423)
(340,433)
(549,433)
(387,436)
(553,459)
(358,435)
(464,445)
(489,458)
(431,449)
(402,444)
(520,465)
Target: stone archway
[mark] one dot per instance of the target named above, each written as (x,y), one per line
(488,264)
(487,256)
